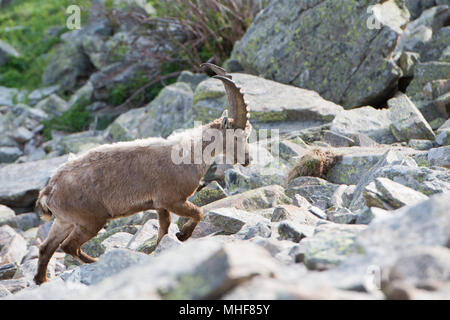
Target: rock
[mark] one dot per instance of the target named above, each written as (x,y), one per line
(12,246)
(210,193)
(439,157)
(192,79)
(407,61)
(19,190)
(4,292)
(366,120)
(32,253)
(9,154)
(39,94)
(6,52)
(422,267)
(387,194)
(22,221)
(147,231)
(28,269)
(443,137)
(369,214)
(291,106)
(109,264)
(296,214)
(95,246)
(353,164)
(260,229)
(7,271)
(316,190)
(231,220)
(416,7)
(168,242)
(6,213)
(139,218)
(53,105)
(330,245)
(285,50)
(423,224)
(68,65)
(407,121)
(22,135)
(342,215)
(391,157)
(14,285)
(7,96)
(82,94)
(424,74)
(293,231)
(261,198)
(420,144)
(337,140)
(74,143)
(117,240)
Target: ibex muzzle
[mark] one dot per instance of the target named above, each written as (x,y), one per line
(124,178)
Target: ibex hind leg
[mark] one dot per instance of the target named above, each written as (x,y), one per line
(187,209)
(58,232)
(164,223)
(78,236)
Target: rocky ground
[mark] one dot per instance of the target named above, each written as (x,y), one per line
(376,225)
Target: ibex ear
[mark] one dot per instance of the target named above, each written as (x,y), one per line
(224,114)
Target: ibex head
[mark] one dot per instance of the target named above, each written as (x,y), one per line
(234,122)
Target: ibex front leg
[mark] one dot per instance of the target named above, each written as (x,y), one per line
(186,209)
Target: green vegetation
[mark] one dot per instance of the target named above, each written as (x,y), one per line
(24,25)
(77,118)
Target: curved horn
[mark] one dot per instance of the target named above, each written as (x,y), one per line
(236,102)
(218,70)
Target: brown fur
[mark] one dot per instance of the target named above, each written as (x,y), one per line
(316,163)
(118,180)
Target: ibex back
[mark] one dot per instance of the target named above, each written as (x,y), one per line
(124,178)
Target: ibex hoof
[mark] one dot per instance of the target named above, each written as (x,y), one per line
(38,280)
(182,236)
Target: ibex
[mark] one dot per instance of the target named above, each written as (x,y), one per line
(124,178)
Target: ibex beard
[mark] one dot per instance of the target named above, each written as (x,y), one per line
(121,179)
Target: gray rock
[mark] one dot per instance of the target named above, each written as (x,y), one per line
(28,269)
(342,215)
(109,264)
(230,219)
(387,194)
(439,157)
(14,285)
(53,105)
(148,231)
(366,120)
(293,213)
(423,224)
(210,193)
(280,45)
(407,121)
(420,144)
(83,93)
(260,229)
(22,135)
(261,198)
(330,245)
(21,190)
(443,137)
(8,96)
(6,52)
(7,271)
(366,216)
(117,240)
(407,61)
(193,79)
(4,292)
(139,218)
(22,221)
(6,213)
(293,231)
(316,190)
(294,107)
(12,246)
(335,139)
(426,73)
(168,242)
(9,154)
(416,7)
(39,94)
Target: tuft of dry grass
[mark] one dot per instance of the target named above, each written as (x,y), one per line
(317,163)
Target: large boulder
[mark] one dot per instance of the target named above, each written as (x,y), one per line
(170,110)
(280,45)
(22,182)
(271,104)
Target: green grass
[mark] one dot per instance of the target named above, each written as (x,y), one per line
(76,119)
(28,21)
